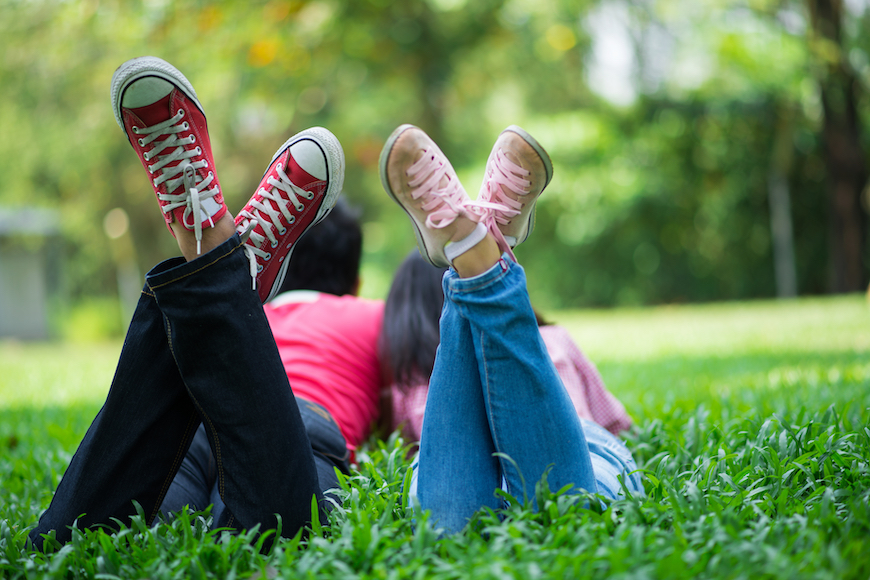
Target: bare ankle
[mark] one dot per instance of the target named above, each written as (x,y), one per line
(212,237)
(478,259)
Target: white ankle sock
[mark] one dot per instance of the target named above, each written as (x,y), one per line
(455,249)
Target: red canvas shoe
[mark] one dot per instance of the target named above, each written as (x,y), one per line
(298,190)
(157,108)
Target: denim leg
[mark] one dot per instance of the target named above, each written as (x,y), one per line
(195,480)
(137,441)
(457,473)
(222,344)
(531,417)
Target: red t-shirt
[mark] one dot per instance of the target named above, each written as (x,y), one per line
(329,347)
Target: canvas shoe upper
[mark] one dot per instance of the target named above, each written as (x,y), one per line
(417,175)
(157,108)
(517,171)
(298,190)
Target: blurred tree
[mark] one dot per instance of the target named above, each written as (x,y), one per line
(845,155)
(674,125)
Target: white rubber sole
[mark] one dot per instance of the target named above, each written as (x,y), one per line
(146,66)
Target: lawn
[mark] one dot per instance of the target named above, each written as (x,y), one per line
(753,430)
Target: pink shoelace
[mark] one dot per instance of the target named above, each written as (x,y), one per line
(494,206)
(426,174)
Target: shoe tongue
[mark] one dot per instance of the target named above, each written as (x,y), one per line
(156,112)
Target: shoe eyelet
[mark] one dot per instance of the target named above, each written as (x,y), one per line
(281,232)
(146,157)
(135,129)
(259,268)
(180,112)
(141,142)
(268,256)
(300,208)
(150,169)
(198,151)
(192,139)
(185,125)
(275,243)
(292,220)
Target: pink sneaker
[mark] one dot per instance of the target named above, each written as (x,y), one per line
(298,190)
(157,108)
(517,172)
(417,175)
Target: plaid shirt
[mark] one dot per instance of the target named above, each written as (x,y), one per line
(591,398)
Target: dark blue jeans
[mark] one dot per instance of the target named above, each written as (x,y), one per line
(198,350)
(196,483)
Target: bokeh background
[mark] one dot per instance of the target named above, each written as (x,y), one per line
(704,150)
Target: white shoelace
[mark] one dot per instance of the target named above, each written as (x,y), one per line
(268,216)
(195,187)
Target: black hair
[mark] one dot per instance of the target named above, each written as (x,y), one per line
(327,257)
(410,334)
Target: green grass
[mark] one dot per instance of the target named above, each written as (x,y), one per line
(753,431)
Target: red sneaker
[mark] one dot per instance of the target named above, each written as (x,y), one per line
(298,190)
(157,108)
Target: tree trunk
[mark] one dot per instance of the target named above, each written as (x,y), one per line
(780,207)
(845,159)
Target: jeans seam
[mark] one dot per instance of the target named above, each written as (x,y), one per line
(201,268)
(488,408)
(179,456)
(217,445)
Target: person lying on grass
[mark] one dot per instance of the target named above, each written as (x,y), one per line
(327,340)
(497,414)
(409,341)
(199,349)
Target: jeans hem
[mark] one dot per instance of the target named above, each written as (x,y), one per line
(502,268)
(175,269)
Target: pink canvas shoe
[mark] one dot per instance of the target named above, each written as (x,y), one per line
(157,108)
(517,172)
(298,190)
(417,175)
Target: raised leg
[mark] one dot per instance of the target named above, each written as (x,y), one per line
(531,418)
(458,473)
(220,339)
(137,441)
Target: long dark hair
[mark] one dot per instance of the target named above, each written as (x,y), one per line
(410,334)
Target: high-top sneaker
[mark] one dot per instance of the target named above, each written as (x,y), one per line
(157,108)
(298,190)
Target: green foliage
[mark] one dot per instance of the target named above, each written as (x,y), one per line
(754,443)
(660,200)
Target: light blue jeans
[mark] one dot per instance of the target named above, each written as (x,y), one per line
(494,392)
